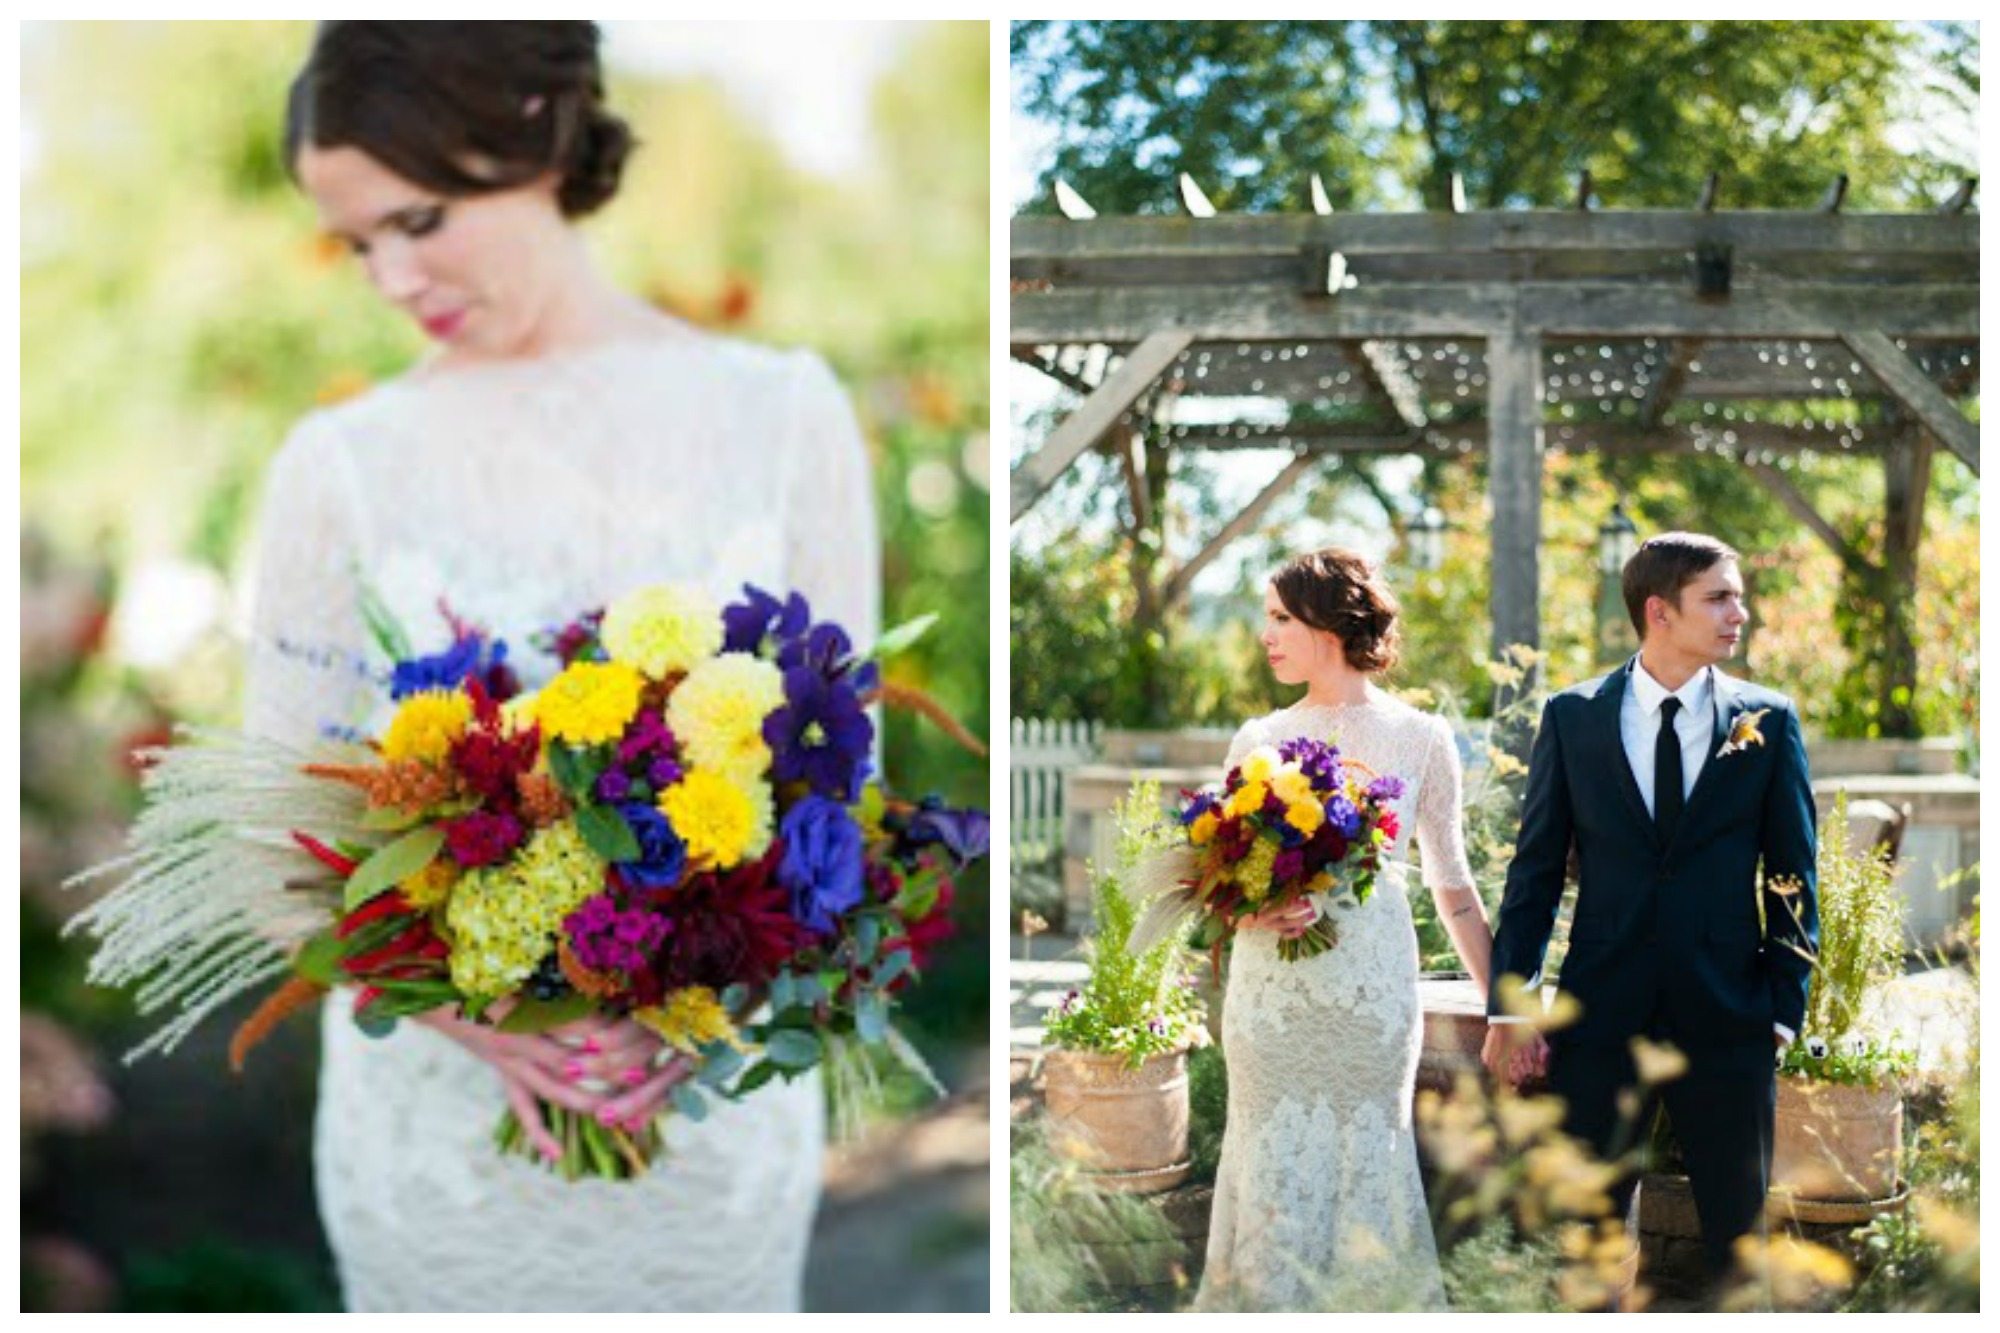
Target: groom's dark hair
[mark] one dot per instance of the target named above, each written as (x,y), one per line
(1665,564)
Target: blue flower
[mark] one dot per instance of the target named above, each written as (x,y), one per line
(821,736)
(822,864)
(1385,789)
(826,649)
(1343,816)
(440,671)
(662,854)
(965,833)
(747,625)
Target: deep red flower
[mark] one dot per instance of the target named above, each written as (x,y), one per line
(483,837)
(1391,825)
(729,926)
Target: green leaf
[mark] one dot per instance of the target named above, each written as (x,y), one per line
(793,1049)
(319,959)
(871,1017)
(690,1103)
(393,864)
(867,938)
(902,636)
(759,1075)
(719,1062)
(575,770)
(374,1023)
(893,966)
(388,819)
(381,621)
(607,833)
(533,1015)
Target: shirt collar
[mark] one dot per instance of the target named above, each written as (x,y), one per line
(1650,694)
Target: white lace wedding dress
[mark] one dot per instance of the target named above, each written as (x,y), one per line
(527,493)
(1318,1204)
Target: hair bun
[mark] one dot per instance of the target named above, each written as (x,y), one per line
(595,164)
(1340,593)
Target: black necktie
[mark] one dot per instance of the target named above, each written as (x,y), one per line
(1668,794)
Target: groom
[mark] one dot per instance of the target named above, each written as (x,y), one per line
(1673,783)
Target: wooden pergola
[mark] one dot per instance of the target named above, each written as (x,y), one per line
(1752,335)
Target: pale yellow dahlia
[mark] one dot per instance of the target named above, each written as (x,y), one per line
(505,919)
(1247,799)
(662,629)
(1261,764)
(590,703)
(723,821)
(426,726)
(718,713)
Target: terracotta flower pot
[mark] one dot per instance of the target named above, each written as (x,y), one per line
(1127,1127)
(1836,1142)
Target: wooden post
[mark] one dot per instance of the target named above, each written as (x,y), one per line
(1097,414)
(1907,478)
(1514,485)
(1914,390)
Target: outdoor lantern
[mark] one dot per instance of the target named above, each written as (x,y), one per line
(1617,540)
(1427,539)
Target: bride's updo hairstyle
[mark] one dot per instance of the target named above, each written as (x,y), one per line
(1339,592)
(464,108)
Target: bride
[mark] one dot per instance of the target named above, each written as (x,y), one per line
(565,444)
(1317,1200)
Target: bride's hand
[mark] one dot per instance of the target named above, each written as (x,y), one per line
(531,1066)
(1289,922)
(625,1055)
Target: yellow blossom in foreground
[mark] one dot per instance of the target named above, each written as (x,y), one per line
(590,703)
(723,822)
(1203,828)
(662,629)
(1260,764)
(718,713)
(1247,799)
(426,726)
(690,1019)
(1658,1062)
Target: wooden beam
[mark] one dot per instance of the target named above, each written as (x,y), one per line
(1131,457)
(1360,234)
(1097,414)
(1618,440)
(1074,383)
(1514,484)
(1914,389)
(1389,383)
(1793,499)
(1183,578)
(1460,310)
(1680,355)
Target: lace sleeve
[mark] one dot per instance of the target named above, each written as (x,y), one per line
(1440,820)
(1241,744)
(833,549)
(305,670)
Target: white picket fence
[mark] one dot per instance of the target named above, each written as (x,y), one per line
(1042,755)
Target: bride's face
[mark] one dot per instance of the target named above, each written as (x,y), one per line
(1296,651)
(474,272)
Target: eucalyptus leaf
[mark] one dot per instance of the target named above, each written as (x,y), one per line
(734,997)
(760,1074)
(871,1017)
(902,636)
(894,964)
(374,1023)
(793,1049)
(607,833)
(690,1103)
(393,864)
(867,938)
(784,993)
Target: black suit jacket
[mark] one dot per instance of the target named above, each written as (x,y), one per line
(1666,932)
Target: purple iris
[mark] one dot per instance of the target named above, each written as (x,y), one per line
(662,854)
(821,735)
(965,833)
(760,617)
(468,655)
(1319,761)
(613,786)
(822,865)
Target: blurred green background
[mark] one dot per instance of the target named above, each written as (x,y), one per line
(179,312)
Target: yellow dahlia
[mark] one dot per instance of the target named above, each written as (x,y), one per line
(724,822)
(1203,828)
(590,703)
(662,629)
(690,1019)
(1247,799)
(426,725)
(1260,764)
(505,919)
(718,713)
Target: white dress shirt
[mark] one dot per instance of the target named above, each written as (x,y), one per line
(1639,725)
(1639,728)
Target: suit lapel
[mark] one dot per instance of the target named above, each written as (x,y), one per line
(1727,704)
(1608,706)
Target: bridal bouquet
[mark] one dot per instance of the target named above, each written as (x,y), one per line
(1290,820)
(679,828)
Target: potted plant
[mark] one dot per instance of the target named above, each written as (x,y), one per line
(1839,1131)
(1115,1077)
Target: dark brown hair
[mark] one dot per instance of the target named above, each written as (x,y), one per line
(1665,564)
(1339,592)
(464,108)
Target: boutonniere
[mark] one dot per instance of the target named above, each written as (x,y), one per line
(1743,733)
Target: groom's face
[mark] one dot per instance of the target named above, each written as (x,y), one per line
(1707,625)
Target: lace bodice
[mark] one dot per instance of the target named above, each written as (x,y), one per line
(1318,1202)
(525,494)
